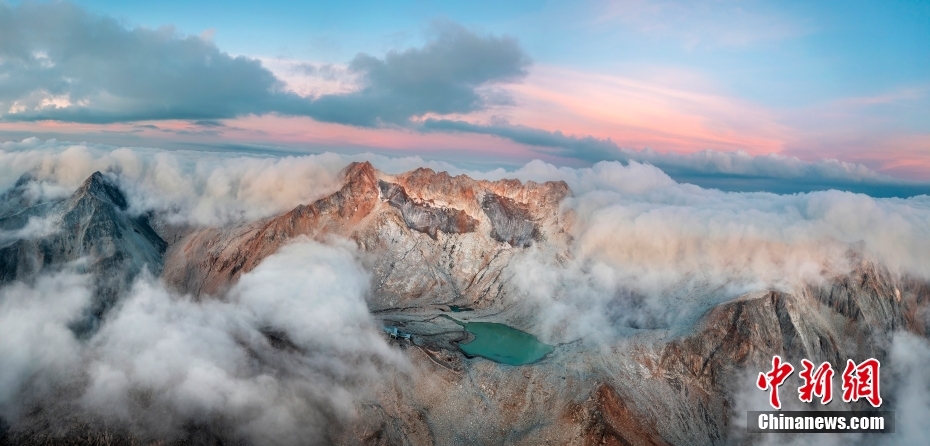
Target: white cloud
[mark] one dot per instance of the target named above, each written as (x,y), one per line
(910,357)
(204,188)
(35,227)
(311,79)
(163,361)
(647,251)
(650,252)
(37,347)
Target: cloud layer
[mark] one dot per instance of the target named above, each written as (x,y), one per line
(291,346)
(280,359)
(58,62)
(186,187)
(729,171)
(446,76)
(638,231)
(649,252)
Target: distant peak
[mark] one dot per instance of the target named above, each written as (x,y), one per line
(423,171)
(360,172)
(99,186)
(24,179)
(356,168)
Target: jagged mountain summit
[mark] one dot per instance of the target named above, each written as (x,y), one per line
(432,238)
(442,251)
(91,228)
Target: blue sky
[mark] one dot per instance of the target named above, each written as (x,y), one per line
(814,80)
(781,53)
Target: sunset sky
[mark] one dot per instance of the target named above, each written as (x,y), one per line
(485,83)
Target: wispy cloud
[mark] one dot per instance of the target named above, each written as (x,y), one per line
(677,111)
(736,170)
(313,79)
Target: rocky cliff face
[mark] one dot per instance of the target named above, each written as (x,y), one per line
(430,238)
(431,241)
(90,230)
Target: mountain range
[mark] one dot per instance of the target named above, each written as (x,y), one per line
(441,251)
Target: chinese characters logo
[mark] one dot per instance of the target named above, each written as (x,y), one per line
(859,381)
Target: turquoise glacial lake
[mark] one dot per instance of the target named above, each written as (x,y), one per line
(503,344)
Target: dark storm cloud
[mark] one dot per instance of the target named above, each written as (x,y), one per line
(556,143)
(57,62)
(445,76)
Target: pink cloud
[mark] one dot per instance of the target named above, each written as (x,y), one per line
(905,156)
(295,132)
(637,114)
(668,110)
(306,131)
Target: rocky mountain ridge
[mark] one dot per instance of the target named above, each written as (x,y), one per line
(91,225)
(448,232)
(432,241)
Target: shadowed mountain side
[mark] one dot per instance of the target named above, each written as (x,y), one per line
(423,217)
(21,196)
(91,226)
(706,368)
(511,222)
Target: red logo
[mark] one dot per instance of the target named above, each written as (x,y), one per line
(775,378)
(859,381)
(818,383)
(862,381)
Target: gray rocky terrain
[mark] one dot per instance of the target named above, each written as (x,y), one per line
(90,226)
(433,244)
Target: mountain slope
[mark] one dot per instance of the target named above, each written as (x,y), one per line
(433,243)
(91,231)
(430,237)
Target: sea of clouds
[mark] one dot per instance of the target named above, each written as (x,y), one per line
(163,363)
(647,252)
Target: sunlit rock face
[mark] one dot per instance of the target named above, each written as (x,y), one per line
(208,260)
(430,237)
(432,240)
(429,241)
